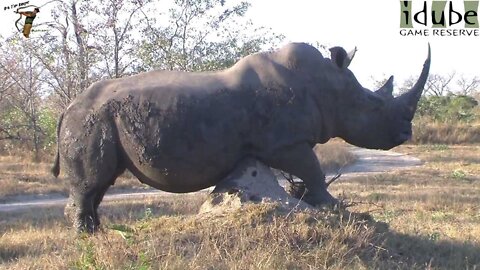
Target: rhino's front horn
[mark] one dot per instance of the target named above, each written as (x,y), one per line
(410,98)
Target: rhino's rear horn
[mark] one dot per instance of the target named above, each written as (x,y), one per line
(387,89)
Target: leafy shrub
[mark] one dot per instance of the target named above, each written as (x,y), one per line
(19,131)
(47,120)
(451,108)
(451,119)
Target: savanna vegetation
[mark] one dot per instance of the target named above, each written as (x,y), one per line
(423,218)
(448,112)
(88,41)
(449,119)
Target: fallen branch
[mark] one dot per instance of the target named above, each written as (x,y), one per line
(333,179)
(289,178)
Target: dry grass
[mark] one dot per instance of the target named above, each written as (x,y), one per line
(446,133)
(334,155)
(20,176)
(258,237)
(432,213)
(438,202)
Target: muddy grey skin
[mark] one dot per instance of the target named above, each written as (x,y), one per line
(182,132)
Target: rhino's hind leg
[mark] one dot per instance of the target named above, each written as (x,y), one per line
(91,171)
(82,212)
(82,208)
(85,197)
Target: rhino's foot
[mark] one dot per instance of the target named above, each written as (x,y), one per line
(87,224)
(321,198)
(299,191)
(82,222)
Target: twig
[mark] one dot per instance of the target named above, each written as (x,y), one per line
(296,205)
(378,247)
(288,177)
(333,179)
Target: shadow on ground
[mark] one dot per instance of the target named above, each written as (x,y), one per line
(426,252)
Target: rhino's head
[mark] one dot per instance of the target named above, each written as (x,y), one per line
(374,119)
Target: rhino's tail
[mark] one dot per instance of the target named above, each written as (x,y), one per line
(56,164)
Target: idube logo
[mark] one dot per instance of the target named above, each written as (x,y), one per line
(439,18)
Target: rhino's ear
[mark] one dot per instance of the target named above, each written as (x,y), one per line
(340,57)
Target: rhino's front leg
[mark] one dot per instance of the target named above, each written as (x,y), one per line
(301,161)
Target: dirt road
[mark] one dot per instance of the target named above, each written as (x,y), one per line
(368,162)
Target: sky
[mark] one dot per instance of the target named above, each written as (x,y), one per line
(371,26)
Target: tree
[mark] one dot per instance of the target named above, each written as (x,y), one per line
(468,86)
(92,40)
(115,40)
(200,35)
(64,53)
(7,86)
(442,85)
(439,85)
(21,114)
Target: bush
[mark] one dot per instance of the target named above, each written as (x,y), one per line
(47,120)
(451,108)
(451,119)
(18,129)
